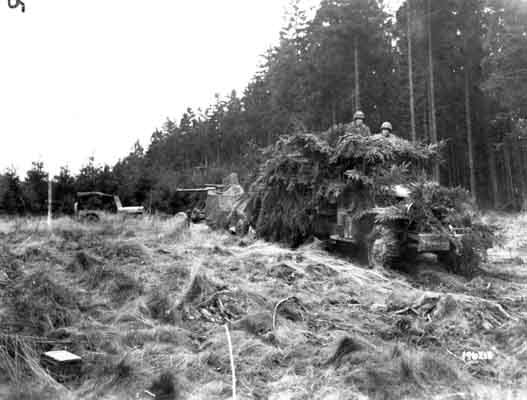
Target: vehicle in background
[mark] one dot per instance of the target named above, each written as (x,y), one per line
(90,206)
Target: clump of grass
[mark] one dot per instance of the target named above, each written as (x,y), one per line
(290,308)
(70,233)
(177,276)
(99,275)
(129,233)
(161,306)
(121,251)
(40,304)
(36,253)
(19,360)
(29,392)
(129,250)
(257,324)
(159,334)
(399,373)
(436,369)
(138,337)
(9,263)
(176,228)
(347,345)
(511,334)
(391,379)
(220,251)
(110,226)
(320,270)
(284,272)
(199,288)
(124,287)
(123,370)
(84,338)
(103,366)
(118,284)
(83,262)
(199,292)
(166,387)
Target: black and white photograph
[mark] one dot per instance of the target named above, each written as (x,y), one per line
(263,199)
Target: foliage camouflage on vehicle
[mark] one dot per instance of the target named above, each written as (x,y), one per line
(304,177)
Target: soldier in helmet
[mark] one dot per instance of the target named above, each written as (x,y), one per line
(358,126)
(386,129)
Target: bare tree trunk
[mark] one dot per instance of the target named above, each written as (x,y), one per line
(456,172)
(493,176)
(455,165)
(468,118)
(357,83)
(410,74)
(523,165)
(334,112)
(218,150)
(502,175)
(433,123)
(459,172)
(425,119)
(451,161)
(517,162)
(508,172)
(50,202)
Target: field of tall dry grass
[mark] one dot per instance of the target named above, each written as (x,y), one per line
(150,306)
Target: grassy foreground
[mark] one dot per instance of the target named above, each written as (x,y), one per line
(146,303)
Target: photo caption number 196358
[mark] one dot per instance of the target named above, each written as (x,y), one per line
(16,4)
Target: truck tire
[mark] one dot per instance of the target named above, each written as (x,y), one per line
(465,263)
(384,247)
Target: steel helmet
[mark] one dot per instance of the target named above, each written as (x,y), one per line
(386,125)
(358,115)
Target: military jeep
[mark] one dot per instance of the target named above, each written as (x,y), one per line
(91,206)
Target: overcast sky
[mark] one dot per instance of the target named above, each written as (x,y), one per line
(81,78)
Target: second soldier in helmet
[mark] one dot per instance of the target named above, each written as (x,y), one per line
(386,128)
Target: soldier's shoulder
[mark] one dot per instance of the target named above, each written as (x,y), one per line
(366,130)
(350,127)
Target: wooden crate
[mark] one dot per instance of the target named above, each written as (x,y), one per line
(62,365)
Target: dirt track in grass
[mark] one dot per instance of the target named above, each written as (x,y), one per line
(141,297)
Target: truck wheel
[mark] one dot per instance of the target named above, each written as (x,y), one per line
(465,263)
(384,248)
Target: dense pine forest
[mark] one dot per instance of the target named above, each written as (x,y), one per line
(443,70)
